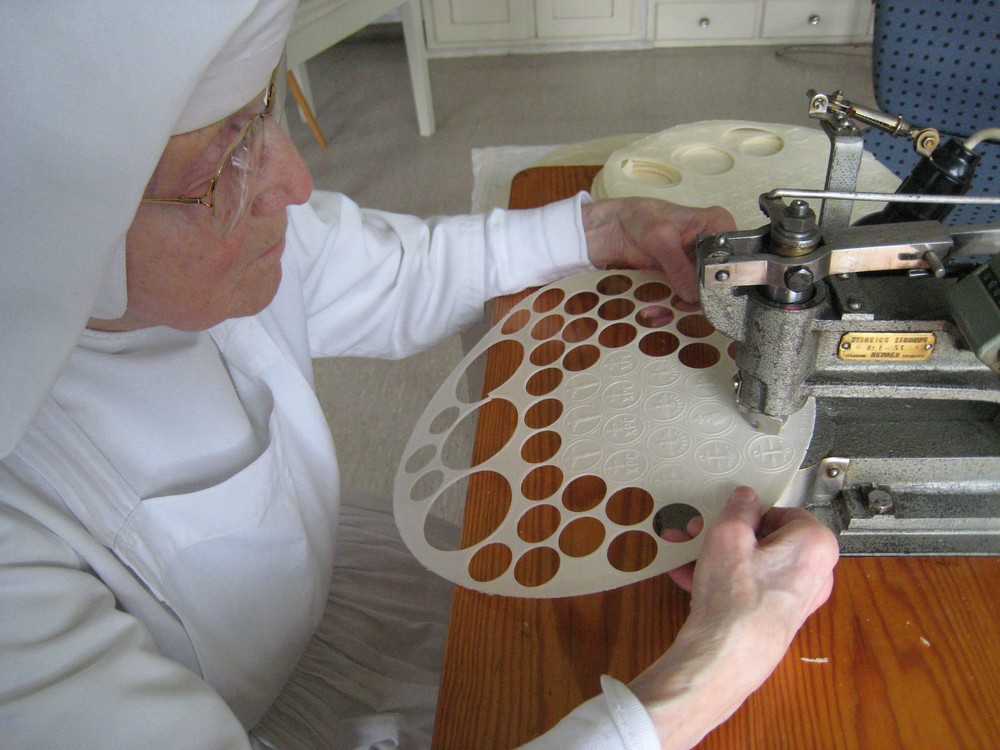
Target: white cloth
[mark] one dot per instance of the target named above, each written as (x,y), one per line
(369,676)
(164,557)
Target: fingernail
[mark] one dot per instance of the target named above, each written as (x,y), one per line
(744,494)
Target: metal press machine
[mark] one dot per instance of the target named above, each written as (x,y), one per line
(892,325)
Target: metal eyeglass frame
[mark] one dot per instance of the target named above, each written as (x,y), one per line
(207,199)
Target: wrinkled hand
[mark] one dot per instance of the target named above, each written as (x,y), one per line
(651,234)
(756,581)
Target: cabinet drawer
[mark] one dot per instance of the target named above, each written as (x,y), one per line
(479,21)
(804,19)
(584,18)
(708,21)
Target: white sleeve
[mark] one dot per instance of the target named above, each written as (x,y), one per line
(379,284)
(76,672)
(614,720)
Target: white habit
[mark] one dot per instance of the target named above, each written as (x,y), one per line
(169,522)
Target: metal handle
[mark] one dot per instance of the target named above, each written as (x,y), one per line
(925,140)
(814,19)
(705,22)
(972,200)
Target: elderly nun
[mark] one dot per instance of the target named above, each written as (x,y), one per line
(173,538)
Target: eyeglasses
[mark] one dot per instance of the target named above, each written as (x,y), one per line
(229,191)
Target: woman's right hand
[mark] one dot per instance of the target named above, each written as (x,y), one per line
(757,578)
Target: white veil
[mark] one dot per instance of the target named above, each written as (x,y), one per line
(90,91)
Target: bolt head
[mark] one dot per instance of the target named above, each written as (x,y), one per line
(798,218)
(880,501)
(799,278)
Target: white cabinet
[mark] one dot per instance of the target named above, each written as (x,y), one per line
(533,23)
(469,27)
(706,22)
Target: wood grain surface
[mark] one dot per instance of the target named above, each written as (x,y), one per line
(906,654)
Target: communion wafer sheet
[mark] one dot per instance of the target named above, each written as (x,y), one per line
(730,163)
(615,419)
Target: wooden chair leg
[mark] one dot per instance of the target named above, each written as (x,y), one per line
(307,113)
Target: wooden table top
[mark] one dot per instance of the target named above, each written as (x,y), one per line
(906,653)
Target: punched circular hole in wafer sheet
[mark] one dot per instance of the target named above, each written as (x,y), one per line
(582,444)
(547,353)
(539,523)
(420,458)
(490,562)
(633,551)
(548,300)
(629,506)
(455,449)
(454,538)
(579,329)
(654,316)
(543,413)
(544,381)
(445,420)
(581,357)
(659,344)
(582,537)
(426,486)
(542,482)
(547,327)
(616,309)
(541,446)
(537,566)
(674,522)
(584,493)
(651,172)
(754,141)
(703,159)
(652,291)
(516,322)
(617,335)
(580,303)
(614,284)
(695,326)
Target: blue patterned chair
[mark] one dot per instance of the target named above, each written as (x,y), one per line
(937,64)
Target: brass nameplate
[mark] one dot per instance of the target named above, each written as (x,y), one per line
(908,346)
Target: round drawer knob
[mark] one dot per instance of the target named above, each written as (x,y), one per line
(814,19)
(705,22)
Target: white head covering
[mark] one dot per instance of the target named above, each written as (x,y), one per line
(91,91)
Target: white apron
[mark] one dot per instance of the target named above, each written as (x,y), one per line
(244,564)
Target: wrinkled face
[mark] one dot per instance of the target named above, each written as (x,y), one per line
(180,273)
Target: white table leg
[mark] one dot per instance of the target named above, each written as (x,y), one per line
(416,53)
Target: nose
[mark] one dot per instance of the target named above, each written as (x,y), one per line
(284,177)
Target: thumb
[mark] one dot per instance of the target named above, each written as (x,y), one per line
(744,506)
